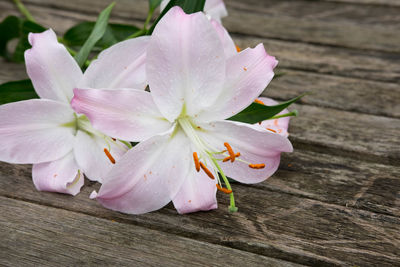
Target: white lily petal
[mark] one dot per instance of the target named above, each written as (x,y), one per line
(126,114)
(32,131)
(53,71)
(148,176)
(120,66)
(256,146)
(62,176)
(185,63)
(90,155)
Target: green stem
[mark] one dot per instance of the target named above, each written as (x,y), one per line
(232,207)
(294,113)
(149,16)
(24,11)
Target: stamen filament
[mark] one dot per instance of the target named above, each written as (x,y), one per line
(232,207)
(257,166)
(196,161)
(108,154)
(207,171)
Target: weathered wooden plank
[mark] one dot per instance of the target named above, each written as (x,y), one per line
(370,27)
(32,234)
(338,180)
(366,65)
(268,223)
(367,137)
(314,31)
(338,92)
(369,2)
(299,56)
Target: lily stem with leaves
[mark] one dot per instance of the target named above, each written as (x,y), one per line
(24,11)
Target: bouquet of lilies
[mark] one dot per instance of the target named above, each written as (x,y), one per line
(163,113)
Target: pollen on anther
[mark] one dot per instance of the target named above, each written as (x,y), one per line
(225,190)
(244,68)
(272,130)
(206,170)
(238,49)
(230,151)
(196,161)
(257,166)
(108,154)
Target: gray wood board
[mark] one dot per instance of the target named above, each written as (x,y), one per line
(335,24)
(34,235)
(269,222)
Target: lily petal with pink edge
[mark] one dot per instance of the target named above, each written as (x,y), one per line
(188,147)
(47,132)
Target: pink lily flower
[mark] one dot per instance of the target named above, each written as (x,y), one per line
(62,145)
(214,9)
(186,140)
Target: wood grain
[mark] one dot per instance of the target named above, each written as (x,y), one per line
(270,223)
(334,24)
(369,65)
(32,234)
(334,201)
(369,2)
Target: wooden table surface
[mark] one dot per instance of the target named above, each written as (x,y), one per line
(334,201)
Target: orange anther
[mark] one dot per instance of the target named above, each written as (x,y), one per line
(272,130)
(229,158)
(258,101)
(276,122)
(238,49)
(225,190)
(244,68)
(207,171)
(230,151)
(108,154)
(257,166)
(196,161)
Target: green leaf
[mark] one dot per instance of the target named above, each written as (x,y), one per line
(189,6)
(153,4)
(77,35)
(17,91)
(97,33)
(258,112)
(23,44)
(10,28)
